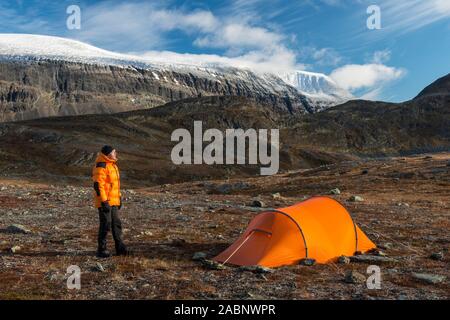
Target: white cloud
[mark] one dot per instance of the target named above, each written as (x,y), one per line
(380,57)
(168,20)
(146,27)
(276,61)
(409,15)
(236,35)
(322,56)
(368,76)
(140,25)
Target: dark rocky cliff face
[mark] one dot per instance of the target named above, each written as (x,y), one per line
(440,87)
(35,89)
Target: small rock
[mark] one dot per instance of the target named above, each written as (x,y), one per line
(335,191)
(213,265)
(17,228)
(354,277)
(344,260)
(183,218)
(147,233)
(307,262)
(53,275)
(439,256)
(198,256)
(429,278)
(365,171)
(403,204)
(258,204)
(385,246)
(98,267)
(15,249)
(356,199)
(276,196)
(378,252)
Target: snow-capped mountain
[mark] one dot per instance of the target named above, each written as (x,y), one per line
(57,76)
(317,86)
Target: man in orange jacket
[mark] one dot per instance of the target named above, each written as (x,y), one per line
(105,175)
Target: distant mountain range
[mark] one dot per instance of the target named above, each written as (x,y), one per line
(43,76)
(64,147)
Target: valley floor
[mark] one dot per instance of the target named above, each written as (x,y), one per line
(405,211)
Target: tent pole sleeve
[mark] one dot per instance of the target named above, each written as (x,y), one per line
(298,226)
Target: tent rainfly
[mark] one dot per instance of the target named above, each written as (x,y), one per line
(319,228)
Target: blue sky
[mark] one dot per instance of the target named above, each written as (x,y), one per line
(411,50)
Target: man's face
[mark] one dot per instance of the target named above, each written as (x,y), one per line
(113,155)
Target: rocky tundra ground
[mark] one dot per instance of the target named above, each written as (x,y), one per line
(402,204)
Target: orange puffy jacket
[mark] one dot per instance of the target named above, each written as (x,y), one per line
(105,175)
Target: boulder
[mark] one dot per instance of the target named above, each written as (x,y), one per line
(198,256)
(256,269)
(17,228)
(98,267)
(438,256)
(213,265)
(429,278)
(258,204)
(344,260)
(15,249)
(335,191)
(354,277)
(356,199)
(277,196)
(372,259)
(307,262)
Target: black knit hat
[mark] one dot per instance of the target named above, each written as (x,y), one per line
(106,150)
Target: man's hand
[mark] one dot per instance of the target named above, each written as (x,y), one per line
(106,206)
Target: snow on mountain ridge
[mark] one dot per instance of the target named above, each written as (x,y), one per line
(319,89)
(40,47)
(316,85)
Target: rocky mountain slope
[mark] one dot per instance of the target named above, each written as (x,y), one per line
(43,76)
(64,147)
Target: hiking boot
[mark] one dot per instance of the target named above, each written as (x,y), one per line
(103,254)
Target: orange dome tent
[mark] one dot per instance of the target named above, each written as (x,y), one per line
(319,228)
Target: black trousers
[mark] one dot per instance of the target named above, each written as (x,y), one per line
(109,220)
